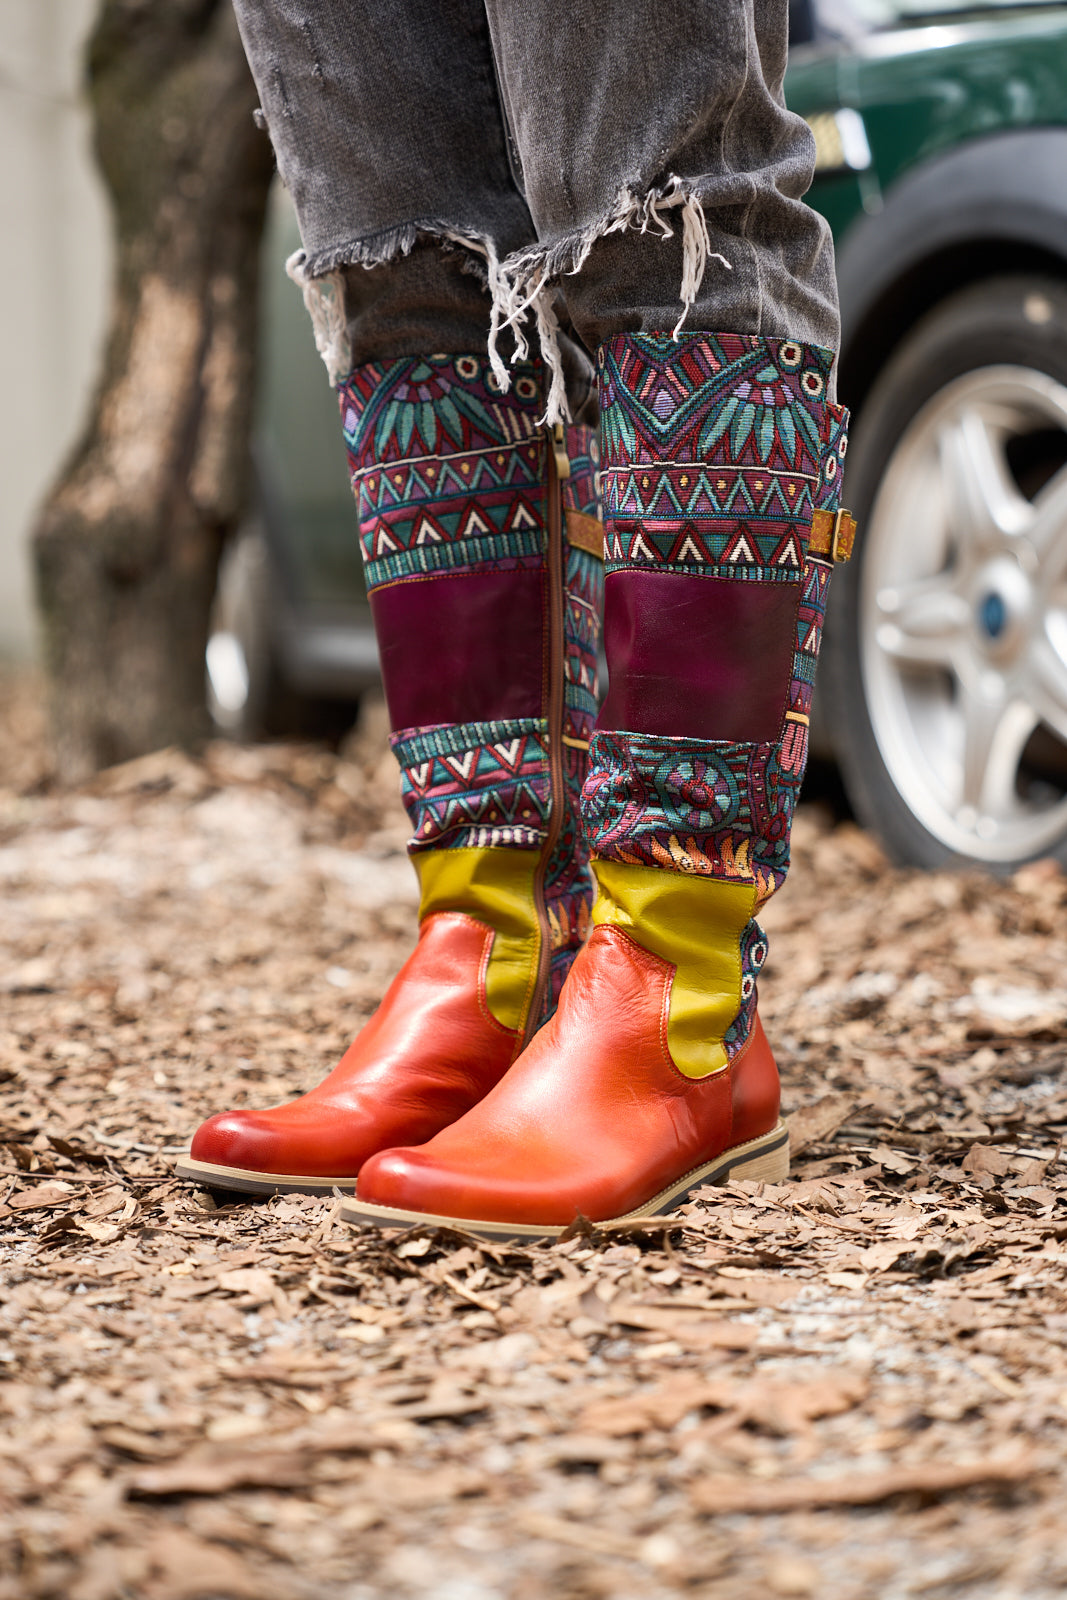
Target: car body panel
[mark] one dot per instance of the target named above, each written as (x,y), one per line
(924,90)
(1007,188)
(966,121)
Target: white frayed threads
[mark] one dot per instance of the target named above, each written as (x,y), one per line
(499,291)
(522,283)
(696,245)
(513,296)
(325,301)
(556,407)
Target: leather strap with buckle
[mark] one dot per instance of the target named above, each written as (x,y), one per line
(833,533)
(585,532)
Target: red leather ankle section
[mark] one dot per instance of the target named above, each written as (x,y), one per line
(754,1089)
(429,1053)
(594,1117)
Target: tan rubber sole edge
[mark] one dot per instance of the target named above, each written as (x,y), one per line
(210,1176)
(765,1159)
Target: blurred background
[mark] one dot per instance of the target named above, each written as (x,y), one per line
(56,272)
(941,138)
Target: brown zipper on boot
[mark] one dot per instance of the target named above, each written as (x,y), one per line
(559,467)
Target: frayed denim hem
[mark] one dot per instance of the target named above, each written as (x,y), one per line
(524,282)
(321,281)
(531,276)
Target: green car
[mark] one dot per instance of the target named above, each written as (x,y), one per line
(942,168)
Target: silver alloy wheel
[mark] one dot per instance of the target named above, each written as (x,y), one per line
(963,616)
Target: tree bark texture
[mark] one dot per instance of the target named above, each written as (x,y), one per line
(127,544)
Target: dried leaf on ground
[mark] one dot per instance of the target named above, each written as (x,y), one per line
(866,1367)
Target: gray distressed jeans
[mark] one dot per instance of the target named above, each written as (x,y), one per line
(597,166)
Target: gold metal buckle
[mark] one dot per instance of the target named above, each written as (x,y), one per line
(833,535)
(844,536)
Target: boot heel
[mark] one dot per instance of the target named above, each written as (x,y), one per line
(765,1166)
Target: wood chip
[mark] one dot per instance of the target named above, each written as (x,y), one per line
(928,1479)
(246,1398)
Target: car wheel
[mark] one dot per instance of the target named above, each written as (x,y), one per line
(947,654)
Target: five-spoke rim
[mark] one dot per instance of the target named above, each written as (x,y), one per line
(963,616)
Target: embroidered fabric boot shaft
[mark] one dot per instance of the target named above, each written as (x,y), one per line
(722,469)
(483,554)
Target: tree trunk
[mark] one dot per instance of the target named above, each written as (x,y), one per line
(127,544)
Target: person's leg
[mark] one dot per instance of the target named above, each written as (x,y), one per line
(721,474)
(483,556)
(663,172)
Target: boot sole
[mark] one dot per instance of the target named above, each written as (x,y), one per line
(765,1160)
(210,1176)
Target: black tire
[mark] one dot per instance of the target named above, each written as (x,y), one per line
(242,644)
(243,683)
(1016,321)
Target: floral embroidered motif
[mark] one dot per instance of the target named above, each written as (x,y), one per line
(714,809)
(730,398)
(713,447)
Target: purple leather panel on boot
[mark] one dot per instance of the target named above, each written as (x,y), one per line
(703,658)
(461,647)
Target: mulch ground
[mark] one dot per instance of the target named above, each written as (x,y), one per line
(853,1384)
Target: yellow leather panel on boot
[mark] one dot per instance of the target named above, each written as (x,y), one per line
(695,923)
(497,887)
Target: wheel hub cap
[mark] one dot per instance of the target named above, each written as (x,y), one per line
(964,617)
(993,614)
(1003,609)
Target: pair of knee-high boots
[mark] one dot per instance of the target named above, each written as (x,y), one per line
(576,1031)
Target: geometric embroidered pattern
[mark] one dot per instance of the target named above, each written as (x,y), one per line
(448,474)
(723,399)
(811,612)
(475,783)
(713,447)
(835,444)
(717,449)
(583,593)
(753,955)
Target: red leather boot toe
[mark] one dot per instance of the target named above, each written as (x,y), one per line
(593,1120)
(430,1051)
